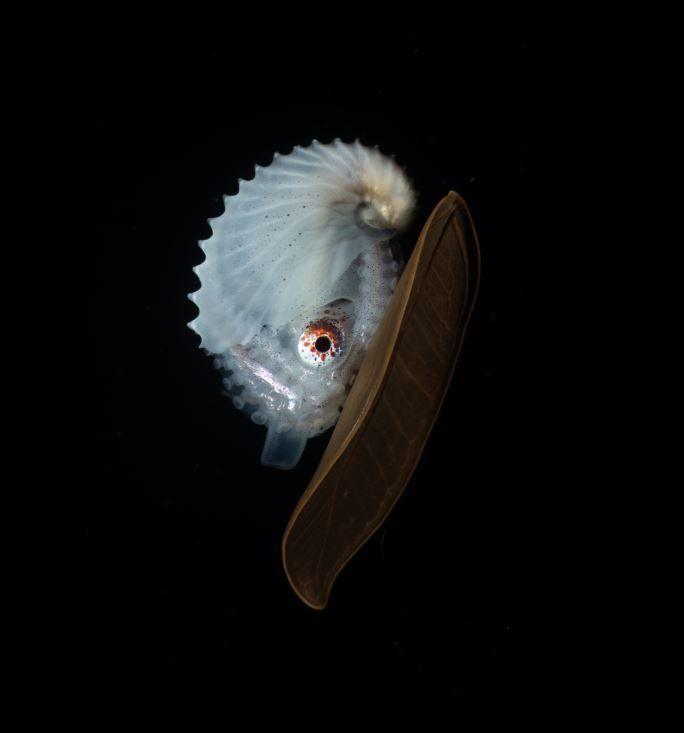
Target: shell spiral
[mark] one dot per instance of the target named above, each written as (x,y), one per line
(289,234)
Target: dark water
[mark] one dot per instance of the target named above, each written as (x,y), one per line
(171,602)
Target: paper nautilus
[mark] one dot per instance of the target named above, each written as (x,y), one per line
(313,324)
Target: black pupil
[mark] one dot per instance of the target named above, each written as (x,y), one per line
(322,343)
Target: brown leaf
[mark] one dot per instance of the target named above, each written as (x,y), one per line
(392,406)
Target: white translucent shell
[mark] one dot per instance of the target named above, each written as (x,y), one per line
(287,237)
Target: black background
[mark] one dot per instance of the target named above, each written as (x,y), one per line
(171,602)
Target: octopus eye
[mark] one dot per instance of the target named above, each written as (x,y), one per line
(322,343)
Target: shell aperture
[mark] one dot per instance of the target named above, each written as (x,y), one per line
(298,273)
